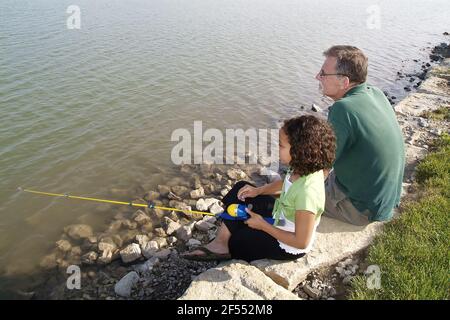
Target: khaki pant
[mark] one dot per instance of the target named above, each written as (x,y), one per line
(338,205)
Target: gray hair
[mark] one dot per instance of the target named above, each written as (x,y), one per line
(351,62)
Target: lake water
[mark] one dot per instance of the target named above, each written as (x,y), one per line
(84,111)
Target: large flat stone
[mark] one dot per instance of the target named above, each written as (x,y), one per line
(235,280)
(335,240)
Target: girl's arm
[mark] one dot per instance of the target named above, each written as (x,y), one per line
(271,188)
(304,226)
(249,191)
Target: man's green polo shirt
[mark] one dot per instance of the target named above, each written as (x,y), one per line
(370,156)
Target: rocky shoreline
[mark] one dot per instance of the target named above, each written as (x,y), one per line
(137,256)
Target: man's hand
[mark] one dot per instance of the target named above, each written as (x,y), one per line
(247,191)
(255,221)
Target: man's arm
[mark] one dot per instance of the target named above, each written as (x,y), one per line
(341,126)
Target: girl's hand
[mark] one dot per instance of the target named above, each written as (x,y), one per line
(255,221)
(247,191)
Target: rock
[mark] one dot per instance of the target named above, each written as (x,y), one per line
(163,190)
(159,232)
(75,251)
(205,204)
(162,242)
(142,240)
(209,188)
(210,201)
(210,219)
(435,57)
(105,258)
(163,254)
(218,177)
(312,292)
(173,216)
(173,196)
(129,236)
(89,258)
(78,231)
(201,205)
(114,226)
(107,244)
(193,243)
(216,209)
(129,224)
(224,192)
(171,240)
(184,233)
(423,123)
(152,196)
(147,228)
(92,240)
(332,291)
(147,266)
(197,193)
(150,248)
(211,235)
(125,285)
(131,253)
(141,218)
(49,262)
(197,182)
(236,174)
(63,245)
(436,131)
(445,33)
(180,191)
(316,108)
(171,226)
(235,281)
(204,226)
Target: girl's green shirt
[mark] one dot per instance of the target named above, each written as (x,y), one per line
(306,193)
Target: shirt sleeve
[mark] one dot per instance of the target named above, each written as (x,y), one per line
(306,201)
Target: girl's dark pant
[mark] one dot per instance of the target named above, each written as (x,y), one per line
(249,244)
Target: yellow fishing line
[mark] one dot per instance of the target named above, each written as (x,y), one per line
(151,206)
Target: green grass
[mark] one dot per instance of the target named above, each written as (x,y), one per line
(413,250)
(443,113)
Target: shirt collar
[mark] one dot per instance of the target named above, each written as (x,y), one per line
(356,89)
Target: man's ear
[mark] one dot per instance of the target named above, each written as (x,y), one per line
(345,83)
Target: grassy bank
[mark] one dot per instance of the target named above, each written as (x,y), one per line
(413,250)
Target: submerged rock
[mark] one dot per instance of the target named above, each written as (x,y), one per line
(197,193)
(78,231)
(64,245)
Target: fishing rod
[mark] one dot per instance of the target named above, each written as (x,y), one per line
(149,205)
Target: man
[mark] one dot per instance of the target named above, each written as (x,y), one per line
(366,181)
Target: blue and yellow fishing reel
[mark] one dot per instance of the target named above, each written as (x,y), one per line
(237,212)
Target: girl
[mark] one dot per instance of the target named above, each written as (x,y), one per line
(307,146)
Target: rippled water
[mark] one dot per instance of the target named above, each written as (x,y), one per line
(84,111)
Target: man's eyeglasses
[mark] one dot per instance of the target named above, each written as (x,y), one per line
(323,74)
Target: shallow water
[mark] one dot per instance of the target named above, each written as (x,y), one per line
(84,111)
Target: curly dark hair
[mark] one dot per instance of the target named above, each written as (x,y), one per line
(313,144)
